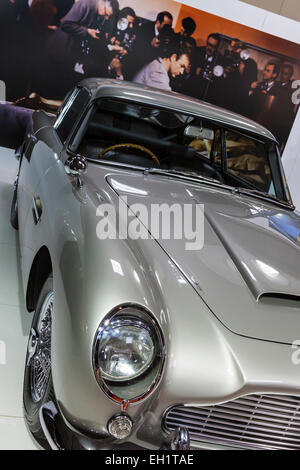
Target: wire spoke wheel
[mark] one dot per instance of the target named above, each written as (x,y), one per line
(40,351)
(38,386)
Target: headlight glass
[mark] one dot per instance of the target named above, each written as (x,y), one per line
(125,351)
(128,354)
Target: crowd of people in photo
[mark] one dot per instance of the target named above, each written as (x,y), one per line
(53,44)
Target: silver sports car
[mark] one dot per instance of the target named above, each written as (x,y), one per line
(158,340)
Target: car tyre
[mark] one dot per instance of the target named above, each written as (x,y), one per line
(38,388)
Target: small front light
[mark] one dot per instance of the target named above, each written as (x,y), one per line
(120,426)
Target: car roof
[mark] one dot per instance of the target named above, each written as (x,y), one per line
(101,88)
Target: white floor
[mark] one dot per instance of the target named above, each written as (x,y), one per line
(14,321)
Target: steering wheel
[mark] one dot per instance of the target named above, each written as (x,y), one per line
(130,146)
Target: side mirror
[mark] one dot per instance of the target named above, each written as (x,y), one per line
(76,165)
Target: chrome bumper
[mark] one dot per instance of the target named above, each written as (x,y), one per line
(179,439)
(47,415)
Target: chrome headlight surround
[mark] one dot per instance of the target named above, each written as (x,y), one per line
(137,389)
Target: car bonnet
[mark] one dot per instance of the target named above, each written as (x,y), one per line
(248,270)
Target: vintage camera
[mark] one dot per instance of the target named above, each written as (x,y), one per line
(125,36)
(233,59)
(207,72)
(166,37)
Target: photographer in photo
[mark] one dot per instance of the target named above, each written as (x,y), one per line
(283,109)
(121,44)
(240,70)
(148,42)
(268,85)
(83,37)
(206,59)
(188,27)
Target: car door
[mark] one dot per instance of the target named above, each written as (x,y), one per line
(42,151)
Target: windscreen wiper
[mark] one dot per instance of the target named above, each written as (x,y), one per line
(255,192)
(233,189)
(189,174)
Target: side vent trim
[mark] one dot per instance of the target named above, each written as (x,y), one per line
(279,296)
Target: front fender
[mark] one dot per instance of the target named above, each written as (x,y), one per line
(94,276)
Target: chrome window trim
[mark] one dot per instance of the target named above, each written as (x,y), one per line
(66,108)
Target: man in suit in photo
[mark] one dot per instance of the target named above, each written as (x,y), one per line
(269,84)
(148,42)
(159,72)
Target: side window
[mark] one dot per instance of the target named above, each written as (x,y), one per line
(248,159)
(70,111)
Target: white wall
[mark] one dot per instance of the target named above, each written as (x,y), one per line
(251,16)
(291,162)
(289,8)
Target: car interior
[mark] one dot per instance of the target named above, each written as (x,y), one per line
(141,136)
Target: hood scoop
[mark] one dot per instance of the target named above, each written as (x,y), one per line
(279,295)
(279,299)
(268,262)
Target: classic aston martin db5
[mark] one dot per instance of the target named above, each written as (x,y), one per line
(140,342)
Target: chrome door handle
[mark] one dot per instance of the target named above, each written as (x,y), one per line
(37,209)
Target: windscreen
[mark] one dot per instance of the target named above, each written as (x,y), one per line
(149,137)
